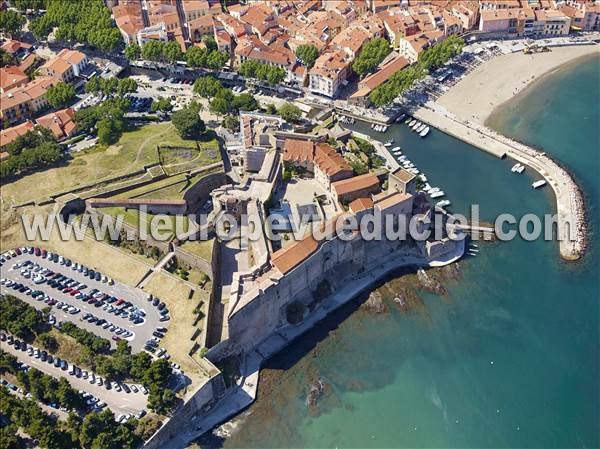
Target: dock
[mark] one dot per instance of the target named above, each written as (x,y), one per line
(571,229)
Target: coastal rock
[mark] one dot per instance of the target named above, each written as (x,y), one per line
(315,392)
(430,283)
(375,303)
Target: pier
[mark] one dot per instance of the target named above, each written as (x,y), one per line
(571,230)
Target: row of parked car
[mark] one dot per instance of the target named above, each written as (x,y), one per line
(141,104)
(72,369)
(119,332)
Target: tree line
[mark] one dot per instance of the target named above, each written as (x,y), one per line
(87,21)
(429,60)
(97,430)
(27,323)
(33,150)
(266,72)
(208,57)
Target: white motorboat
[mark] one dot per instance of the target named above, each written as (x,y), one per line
(443,203)
(515,168)
(408,120)
(424,131)
(420,128)
(521,169)
(438,194)
(396,149)
(416,125)
(412,123)
(538,184)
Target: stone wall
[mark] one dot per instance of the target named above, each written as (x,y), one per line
(199,193)
(201,402)
(260,317)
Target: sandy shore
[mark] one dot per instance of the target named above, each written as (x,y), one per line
(500,79)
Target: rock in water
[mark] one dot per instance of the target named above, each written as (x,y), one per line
(314,393)
(375,303)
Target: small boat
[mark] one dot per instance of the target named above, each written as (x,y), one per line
(416,125)
(438,194)
(424,132)
(474,245)
(538,184)
(372,125)
(407,121)
(387,144)
(473,250)
(399,119)
(384,128)
(412,123)
(443,203)
(396,149)
(515,168)
(521,169)
(435,189)
(472,254)
(420,128)
(423,177)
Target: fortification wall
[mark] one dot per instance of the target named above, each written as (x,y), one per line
(199,193)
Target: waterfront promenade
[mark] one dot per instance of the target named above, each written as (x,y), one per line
(571,229)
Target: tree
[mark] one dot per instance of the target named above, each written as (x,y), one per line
(172,52)
(307,54)
(6,59)
(133,52)
(41,27)
(11,22)
(48,342)
(245,102)
(60,95)
(161,104)
(210,42)
(290,113)
(153,50)
(24,5)
(188,123)
(206,86)
(161,400)
(221,104)
(127,86)
(371,56)
(109,131)
(231,122)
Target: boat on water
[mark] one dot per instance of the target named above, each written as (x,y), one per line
(412,123)
(538,184)
(420,128)
(443,203)
(515,168)
(434,189)
(438,194)
(423,177)
(472,254)
(474,245)
(473,250)
(399,119)
(424,131)
(521,169)
(396,149)
(408,120)
(416,125)
(387,144)
(372,125)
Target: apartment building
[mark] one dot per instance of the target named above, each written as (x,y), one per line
(11,77)
(21,102)
(330,71)
(65,66)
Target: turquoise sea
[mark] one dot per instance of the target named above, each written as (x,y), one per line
(509,358)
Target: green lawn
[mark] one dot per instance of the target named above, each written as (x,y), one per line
(132,217)
(134,150)
(200,248)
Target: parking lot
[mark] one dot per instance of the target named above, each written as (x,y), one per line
(107,308)
(120,402)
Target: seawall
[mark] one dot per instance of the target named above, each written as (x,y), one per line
(570,208)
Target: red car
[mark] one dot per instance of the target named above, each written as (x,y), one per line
(119,302)
(74,292)
(18,251)
(115,338)
(37,251)
(44,253)
(67,290)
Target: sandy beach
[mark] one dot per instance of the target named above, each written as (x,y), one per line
(500,79)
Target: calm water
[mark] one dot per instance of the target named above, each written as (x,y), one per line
(510,358)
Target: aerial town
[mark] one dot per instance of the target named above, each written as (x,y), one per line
(150,113)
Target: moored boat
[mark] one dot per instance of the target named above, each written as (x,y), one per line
(438,194)
(538,184)
(424,131)
(443,203)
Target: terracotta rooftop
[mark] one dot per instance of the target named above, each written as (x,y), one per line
(404,175)
(321,154)
(384,73)
(11,76)
(286,259)
(355,184)
(10,134)
(60,122)
(360,204)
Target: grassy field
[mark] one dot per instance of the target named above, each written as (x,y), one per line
(178,340)
(114,262)
(167,228)
(200,248)
(134,150)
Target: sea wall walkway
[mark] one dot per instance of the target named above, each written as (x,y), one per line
(570,208)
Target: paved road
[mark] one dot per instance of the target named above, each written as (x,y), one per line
(118,402)
(141,332)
